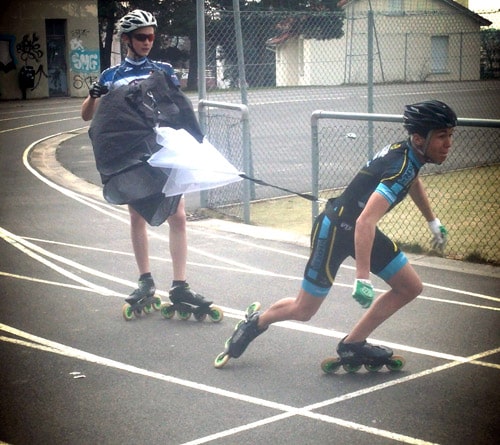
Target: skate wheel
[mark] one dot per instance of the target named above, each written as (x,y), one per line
(167,310)
(127,312)
(148,308)
(254,307)
(157,304)
(200,317)
(373,368)
(238,325)
(330,365)
(227,343)
(221,360)
(350,368)
(216,314)
(396,363)
(137,312)
(184,315)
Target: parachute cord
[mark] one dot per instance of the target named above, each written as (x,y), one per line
(302,195)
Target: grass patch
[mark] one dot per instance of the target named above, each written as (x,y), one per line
(467,202)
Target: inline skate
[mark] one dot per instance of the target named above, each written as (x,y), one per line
(186,302)
(142,300)
(244,332)
(352,356)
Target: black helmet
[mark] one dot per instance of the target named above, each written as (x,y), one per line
(428,115)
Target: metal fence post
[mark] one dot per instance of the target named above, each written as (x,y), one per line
(245,119)
(315,162)
(202,84)
(370,81)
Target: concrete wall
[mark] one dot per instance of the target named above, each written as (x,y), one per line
(62,66)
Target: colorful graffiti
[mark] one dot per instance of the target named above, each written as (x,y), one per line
(84,63)
(29,53)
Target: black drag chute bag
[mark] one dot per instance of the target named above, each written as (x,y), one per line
(123,138)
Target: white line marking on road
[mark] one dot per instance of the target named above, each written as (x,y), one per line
(39,343)
(53,283)
(203,265)
(39,123)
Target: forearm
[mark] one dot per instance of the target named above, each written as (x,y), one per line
(419,197)
(89,106)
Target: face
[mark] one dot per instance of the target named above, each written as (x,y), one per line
(439,144)
(141,41)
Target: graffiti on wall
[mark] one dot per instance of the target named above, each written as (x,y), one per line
(85,63)
(7,55)
(30,52)
(29,49)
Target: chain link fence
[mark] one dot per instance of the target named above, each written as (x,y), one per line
(298,62)
(464,191)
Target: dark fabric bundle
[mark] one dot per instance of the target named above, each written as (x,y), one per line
(123,138)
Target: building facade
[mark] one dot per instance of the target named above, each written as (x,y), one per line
(413,41)
(48,49)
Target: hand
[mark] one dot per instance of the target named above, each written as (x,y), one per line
(440,235)
(363,292)
(97,90)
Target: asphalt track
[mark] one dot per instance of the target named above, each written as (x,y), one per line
(74,372)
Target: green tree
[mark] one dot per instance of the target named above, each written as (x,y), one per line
(175,18)
(490,53)
(261,22)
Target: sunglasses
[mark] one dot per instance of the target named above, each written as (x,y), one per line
(143,37)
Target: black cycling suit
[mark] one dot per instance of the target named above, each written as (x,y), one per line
(391,173)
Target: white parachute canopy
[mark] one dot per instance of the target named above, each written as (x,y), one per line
(192,166)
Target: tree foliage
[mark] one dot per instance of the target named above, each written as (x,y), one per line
(490,49)
(313,19)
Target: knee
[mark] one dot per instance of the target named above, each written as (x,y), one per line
(177,221)
(136,220)
(410,290)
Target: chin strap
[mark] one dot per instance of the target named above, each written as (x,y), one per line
(132,49)
(137,56)
(423,151)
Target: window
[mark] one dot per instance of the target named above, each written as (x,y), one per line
(439,54)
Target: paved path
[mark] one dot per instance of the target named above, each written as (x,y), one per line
(73,371)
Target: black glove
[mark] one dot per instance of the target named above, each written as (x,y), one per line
(97,90)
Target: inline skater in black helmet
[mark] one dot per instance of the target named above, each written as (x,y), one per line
(348,227)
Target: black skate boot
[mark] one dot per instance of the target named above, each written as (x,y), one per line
(146,288)
(184,294)
(244,333)
(354,355)
(142,299)
(187,302)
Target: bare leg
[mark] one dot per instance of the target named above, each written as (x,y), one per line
(139,237)
(301,308)
(405,286)
(178,242)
